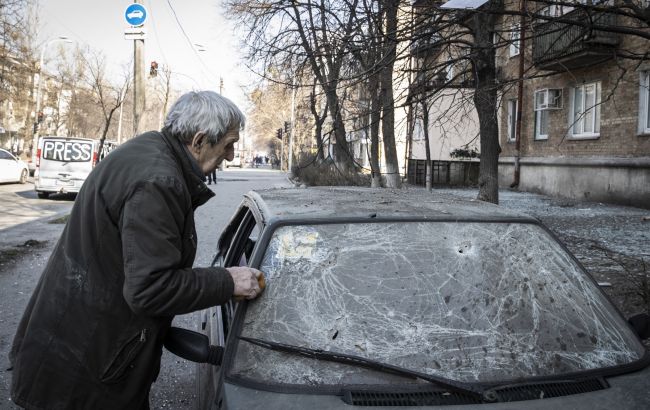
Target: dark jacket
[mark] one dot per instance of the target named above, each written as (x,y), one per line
(91,336)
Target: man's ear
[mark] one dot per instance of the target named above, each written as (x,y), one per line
(199,139)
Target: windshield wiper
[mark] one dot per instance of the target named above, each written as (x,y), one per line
(453,385)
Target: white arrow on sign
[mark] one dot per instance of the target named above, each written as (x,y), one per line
(135,33)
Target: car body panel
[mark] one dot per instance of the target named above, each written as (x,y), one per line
(12,169)
(626,392)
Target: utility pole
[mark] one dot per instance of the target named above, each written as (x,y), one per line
(138,81)
(293,120)
(222,167)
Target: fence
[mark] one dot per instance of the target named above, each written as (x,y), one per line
(444,173)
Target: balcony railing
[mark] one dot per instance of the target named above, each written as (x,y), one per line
(559,46)
(426,45)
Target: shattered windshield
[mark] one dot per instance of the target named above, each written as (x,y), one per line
(466,301)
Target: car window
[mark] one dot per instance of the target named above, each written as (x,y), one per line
(5,155)
(243,238)
(468,301)
(242,246)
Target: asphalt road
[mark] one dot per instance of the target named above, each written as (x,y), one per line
(29,229)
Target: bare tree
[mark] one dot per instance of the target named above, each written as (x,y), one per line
(108,96)
(18,22)
(290,34)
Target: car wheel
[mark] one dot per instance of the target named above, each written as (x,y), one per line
(23,176)
(43,195)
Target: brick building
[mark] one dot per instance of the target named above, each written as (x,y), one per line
(585,124)
(585,119)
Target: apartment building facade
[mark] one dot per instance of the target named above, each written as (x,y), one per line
(440,104)
(585,105)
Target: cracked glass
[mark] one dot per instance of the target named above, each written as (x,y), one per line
(468,301)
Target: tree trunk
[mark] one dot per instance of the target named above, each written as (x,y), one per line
(375,118)
(485,101)
(427,146)
(393,179)
(342,155)
(318,123)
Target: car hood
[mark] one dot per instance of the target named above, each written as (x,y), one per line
(628,391)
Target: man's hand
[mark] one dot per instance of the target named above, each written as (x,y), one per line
(249,282)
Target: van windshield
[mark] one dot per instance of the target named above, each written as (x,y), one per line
(468,301)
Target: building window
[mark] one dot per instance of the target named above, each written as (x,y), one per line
(585,111)
(512,119)
(515,41)
(644,103)
(545,100)
(449,73)
(541,124)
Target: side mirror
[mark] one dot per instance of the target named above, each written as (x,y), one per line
(192,346)
(641,325)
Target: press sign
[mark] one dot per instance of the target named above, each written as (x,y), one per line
(67,151)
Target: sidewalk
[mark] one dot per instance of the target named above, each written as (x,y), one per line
(611,241)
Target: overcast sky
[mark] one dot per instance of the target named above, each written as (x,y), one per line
(100,24)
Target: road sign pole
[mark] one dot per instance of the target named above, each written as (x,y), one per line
(138,82)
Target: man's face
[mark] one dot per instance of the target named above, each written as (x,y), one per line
(210,156)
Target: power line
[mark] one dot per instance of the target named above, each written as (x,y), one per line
(189,41)
(155,30)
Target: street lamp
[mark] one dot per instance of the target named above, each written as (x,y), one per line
(38,93)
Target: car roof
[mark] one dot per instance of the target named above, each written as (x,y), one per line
(341,203)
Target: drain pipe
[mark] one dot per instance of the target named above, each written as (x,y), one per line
(520,91)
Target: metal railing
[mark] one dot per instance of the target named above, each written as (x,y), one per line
(554,40)
(443,173)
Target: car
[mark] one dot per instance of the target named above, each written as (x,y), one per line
(12,169)
(236,161)
(64,163)
(400,298)
(135,14)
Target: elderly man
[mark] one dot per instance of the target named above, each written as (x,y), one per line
(91,336)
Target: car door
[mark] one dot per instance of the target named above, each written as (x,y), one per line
(234,248)
(8,167)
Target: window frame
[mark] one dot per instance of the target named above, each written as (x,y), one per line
(511,119)
(578,119)
(644,103)
(539,114)
(515,40)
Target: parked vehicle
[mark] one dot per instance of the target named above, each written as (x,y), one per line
(63,164)
(12,169)
(236,161)
(379,298)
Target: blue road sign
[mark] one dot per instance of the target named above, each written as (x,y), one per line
(135,14)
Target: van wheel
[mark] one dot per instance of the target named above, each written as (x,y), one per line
(43,195)
(23,176)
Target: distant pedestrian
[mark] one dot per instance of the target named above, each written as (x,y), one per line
(92,334)
(212,177)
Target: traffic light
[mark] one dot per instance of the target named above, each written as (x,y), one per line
(287,127)
(153,70)
(278,133)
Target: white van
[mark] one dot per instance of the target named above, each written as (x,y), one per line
(63,164)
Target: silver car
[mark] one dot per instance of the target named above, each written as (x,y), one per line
(381,298)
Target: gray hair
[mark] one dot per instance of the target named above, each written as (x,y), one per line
(202,111)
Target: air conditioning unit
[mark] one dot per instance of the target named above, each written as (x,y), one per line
(548,99)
